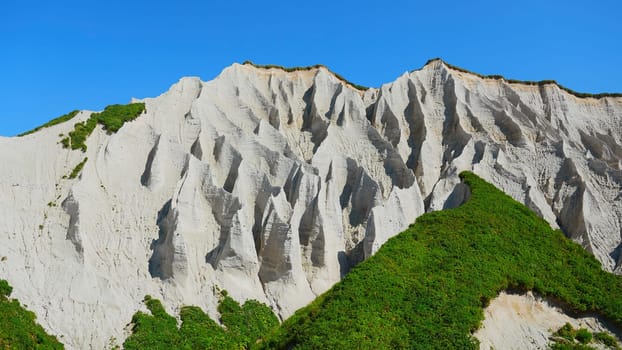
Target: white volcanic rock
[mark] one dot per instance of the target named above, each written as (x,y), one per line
(272,184)
(525,321)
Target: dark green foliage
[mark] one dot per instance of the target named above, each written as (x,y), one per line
(244,326)
(76,171)
(527,82)
(583,336)
(566,332)
(568,338)
(155,331)
(5,289)
(426,288)
(607,340)
(112,118)
(18,329)
(63,118)
(248,323)
(570,346)
(199,331)
(81,131)
(294,69)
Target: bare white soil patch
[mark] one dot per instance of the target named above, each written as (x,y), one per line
(514,321)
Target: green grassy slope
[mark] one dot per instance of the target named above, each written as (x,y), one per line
(63,118)
(426,288)
(112,118)
(18,329)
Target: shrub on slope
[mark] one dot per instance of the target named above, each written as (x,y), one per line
(112,118)
(243,326)
(18,329)
(426,288)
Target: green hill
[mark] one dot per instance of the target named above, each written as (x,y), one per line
(426,288)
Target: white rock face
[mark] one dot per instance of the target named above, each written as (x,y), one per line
(519,322)
(272,184)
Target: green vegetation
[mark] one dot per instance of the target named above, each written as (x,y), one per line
(527,82)
(61,119)
(607,340)
(76,171)
(568,338)
(112,118)
(5,289)
(81,131)
(295,69)
(243,326)
(18,329)
(426,288)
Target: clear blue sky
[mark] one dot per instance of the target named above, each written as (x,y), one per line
(57,56)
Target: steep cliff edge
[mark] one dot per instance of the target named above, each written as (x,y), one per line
(271,184)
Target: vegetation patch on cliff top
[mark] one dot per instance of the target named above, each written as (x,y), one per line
(527,82)
(63,118)
(112,118)
(316,66)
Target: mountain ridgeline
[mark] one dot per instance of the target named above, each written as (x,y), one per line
(273,184)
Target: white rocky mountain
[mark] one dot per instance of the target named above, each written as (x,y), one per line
(271,184)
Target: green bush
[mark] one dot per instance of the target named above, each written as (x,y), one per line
(606,339)
(76,171)
(81,131)
(569,338)
(570,346)
(155,331)
(199,331)
(112,118)
(5,289)
(243,327)
(18,327)
(248,323)
(566,331)
(583,336)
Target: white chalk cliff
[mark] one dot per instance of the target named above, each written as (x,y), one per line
(272,184)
